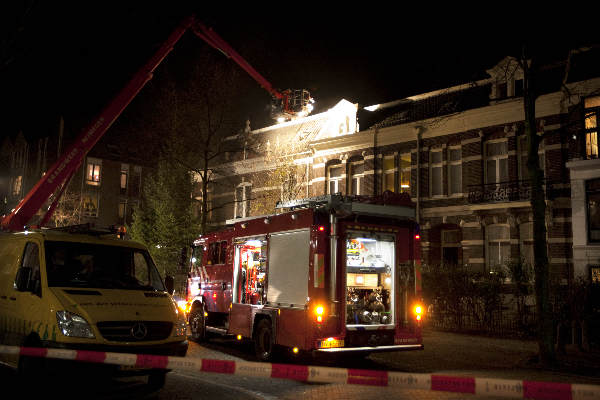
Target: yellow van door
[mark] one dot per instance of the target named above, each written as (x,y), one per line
(27,311)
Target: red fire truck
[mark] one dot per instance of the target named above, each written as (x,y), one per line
(332,274)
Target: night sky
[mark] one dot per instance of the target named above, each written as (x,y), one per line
(70,59)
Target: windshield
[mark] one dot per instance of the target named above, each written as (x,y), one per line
(100,266)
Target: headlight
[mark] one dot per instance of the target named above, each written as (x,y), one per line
(73,325)
(180,325)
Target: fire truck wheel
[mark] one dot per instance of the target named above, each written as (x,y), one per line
(263,341)
(198,323)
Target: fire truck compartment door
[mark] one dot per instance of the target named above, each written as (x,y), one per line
(288,268)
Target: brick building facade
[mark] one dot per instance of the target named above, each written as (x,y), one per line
(104,191)
(461,154)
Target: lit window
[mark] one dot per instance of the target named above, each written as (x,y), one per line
(92,176)
(592,109)
(404,173)
(389,174)
(334,177)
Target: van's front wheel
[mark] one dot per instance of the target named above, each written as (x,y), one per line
(198,323)
(156,380)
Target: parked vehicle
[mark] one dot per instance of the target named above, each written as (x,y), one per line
(85,291)
(333,274)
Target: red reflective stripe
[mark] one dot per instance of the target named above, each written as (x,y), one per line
(453,384)
(150,361)
(366,377)
(295,372)
(220,366)
(33,351)
(90,356)
(547,390)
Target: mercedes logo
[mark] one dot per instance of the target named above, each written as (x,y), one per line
(139,331)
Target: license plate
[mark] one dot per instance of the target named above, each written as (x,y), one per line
(326,344)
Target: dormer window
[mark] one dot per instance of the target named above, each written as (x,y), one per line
(507,79)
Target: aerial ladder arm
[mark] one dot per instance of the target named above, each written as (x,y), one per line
(64,168)
(214,40)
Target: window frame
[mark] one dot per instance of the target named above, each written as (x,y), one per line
(497,158)
(404,171)
(522,152)
(90,175)
(335,180)
(358,177)
(454,164)
(501,242)
(589,191)
(432,166)
(592,150)
(242,205)
(388,174)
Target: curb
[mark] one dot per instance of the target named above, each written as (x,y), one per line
(507,388)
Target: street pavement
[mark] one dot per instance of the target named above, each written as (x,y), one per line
(445,353)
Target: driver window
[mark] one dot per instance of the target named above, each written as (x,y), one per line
(140,268)
(31,259)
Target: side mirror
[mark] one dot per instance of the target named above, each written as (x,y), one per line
(170,284)
(22,279)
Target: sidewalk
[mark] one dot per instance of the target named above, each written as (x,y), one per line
(481,356)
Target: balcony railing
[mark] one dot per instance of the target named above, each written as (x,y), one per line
(506,191)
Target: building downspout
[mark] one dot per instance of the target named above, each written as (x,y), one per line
(418,131)
(333,264)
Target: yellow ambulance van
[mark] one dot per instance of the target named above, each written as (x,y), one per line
(85,291)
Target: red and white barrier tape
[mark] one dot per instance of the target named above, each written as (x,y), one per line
(517,389)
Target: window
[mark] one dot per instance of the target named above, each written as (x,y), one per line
(250,267)
(124,178)
(522,148)
(592,189)
(89,202)
(135,181)
(592,109)
(357,173)
(404,173)
(217,252)
(455,170)
(31,259)
(86,265)
(526,242)
(389,174)
(334,176)
(242,199)
(436,173)
(518,87)
(450,246)
(17,185)
(496,162)
(497,245)
(122,208)
(92,176)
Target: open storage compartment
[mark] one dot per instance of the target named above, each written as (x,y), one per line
(370,280)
